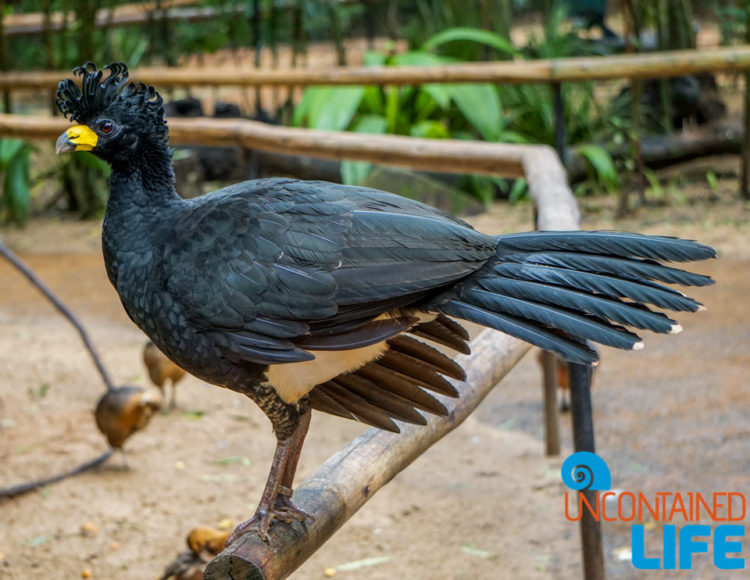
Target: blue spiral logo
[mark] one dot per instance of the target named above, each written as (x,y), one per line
(585,470)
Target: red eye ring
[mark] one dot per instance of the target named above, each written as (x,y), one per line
(106,127)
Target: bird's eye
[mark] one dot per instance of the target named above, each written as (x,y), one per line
(106,127)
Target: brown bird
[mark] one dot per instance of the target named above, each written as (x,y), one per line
(161,370)
(207,540)
(123,411)
(203,543)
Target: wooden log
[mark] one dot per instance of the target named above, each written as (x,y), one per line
(578,69)
(449,155)
(30,23)
(345,482)
(23,24)
(556,208)
(657,151)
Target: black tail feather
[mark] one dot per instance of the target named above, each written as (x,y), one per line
(629,313)
(589,327)
(644,291)
(608,244)
(558,290)
(632,268)
(533,333)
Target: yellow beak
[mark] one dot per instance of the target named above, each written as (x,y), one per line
(77,138)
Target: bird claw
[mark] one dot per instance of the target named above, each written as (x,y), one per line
(283,510)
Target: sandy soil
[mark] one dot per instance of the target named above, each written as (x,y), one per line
(484,503)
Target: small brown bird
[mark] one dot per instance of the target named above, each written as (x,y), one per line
(207,540)
(123,411)
(203,543)
(160,368)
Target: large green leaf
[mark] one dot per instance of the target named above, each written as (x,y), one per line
(418,58)
(9,148)
(469,34)
(16,188)
(373,58)
(329,108)
(480,104)
(354,172)
(334,107)
(430,130)
(438,92)
(602,163)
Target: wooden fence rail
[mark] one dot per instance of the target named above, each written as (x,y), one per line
(641,66)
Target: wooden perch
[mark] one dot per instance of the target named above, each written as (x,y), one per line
(451,155)
(349,478)
(578,69)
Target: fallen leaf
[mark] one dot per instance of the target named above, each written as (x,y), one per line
(38,540)
(193,415)
(367,562)
(241,459)
(472,551)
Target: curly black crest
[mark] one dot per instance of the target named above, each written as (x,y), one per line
(98,93)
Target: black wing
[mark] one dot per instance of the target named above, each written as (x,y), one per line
(290,266)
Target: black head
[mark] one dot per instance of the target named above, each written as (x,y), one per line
(117,120)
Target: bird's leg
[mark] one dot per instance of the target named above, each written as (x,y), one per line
(284,503)
(281,475)
(173,398)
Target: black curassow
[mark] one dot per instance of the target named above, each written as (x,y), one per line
(309,295)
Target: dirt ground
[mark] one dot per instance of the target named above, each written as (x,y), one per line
(484,503)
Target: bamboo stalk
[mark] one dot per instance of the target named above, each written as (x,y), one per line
(579,69)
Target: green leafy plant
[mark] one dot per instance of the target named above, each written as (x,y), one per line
(14,167)
(436,111)
(601,166)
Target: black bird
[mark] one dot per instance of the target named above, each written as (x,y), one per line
(309,295)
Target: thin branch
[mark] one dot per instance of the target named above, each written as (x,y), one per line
(64,310)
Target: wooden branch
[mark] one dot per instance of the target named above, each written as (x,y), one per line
(30,23)
(548,183)
(21,488)
(454,156)
(349,478)
(62,308)
(23,24)
(579,69)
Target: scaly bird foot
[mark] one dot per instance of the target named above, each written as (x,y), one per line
(286,511)
(283,510)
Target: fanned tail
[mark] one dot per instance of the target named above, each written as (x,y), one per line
(558,290)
